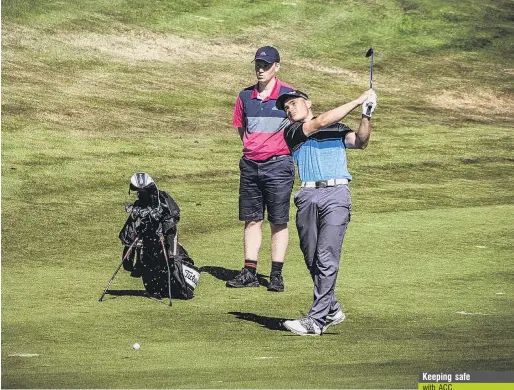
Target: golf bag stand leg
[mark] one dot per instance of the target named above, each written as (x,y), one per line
(127,254)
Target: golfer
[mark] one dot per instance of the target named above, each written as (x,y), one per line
(318,145)
(267,169)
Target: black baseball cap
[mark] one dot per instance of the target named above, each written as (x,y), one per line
(288,95)
(268,54)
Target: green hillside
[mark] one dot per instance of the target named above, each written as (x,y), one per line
(93,91)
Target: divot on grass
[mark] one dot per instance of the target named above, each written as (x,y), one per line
(24,355)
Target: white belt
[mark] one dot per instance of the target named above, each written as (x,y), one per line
(324,183)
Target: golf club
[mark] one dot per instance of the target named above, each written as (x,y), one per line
(369,53)
(127,254)
(161,239)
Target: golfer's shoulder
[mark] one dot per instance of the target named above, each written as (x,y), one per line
(293,129)
(294,135)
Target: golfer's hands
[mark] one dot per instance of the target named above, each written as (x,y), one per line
(368,106)
(362,98)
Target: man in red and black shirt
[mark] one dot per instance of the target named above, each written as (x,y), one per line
(267,169)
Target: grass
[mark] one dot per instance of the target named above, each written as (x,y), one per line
(402,314)
(94,91)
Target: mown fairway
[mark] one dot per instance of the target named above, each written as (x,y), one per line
(96,90)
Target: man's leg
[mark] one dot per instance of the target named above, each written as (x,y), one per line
(279,241)
(252,244)
(251,211)
(277,179)
(252,239)
(307,226)
(326,270)
(334,216)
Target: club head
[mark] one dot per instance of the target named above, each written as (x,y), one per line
(369,53)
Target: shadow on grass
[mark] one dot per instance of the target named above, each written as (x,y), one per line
(229,274)
(131,293)
(135,293)
(271,323)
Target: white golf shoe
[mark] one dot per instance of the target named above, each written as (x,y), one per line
(303,327)
(334,320)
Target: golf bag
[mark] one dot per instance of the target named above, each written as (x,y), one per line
(151,233)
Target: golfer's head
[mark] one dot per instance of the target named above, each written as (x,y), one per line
(296,105)
(267,63)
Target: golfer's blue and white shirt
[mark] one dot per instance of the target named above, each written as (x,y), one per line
(322,155)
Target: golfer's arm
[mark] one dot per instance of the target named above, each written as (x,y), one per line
(329,117)
(359,139)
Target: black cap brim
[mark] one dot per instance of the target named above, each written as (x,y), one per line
(265,59)
(289,95)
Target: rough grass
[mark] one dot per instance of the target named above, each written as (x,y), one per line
(96,90)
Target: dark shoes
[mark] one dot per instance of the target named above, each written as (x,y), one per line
(276,283)
(244,279)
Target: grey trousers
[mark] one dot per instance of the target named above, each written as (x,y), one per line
(321,219)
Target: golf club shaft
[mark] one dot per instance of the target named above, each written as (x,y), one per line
(161,238)
(371,72)
(370,105)
(127,254)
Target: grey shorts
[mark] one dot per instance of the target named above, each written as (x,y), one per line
(266,186)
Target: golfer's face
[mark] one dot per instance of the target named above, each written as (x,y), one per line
(296,109)
(265,71)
